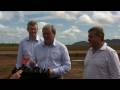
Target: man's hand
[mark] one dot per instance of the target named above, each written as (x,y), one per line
(16,75)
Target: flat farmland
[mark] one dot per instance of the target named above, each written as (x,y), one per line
(8,56)
(7,63)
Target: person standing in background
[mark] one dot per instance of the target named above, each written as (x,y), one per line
(26,46)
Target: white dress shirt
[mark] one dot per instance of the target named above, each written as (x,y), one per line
(55,57)
(103,64)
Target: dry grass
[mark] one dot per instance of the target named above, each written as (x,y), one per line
(8,60)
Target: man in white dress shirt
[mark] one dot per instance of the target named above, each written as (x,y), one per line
(51,55)
(101,62)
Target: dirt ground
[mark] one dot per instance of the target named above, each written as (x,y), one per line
(8,60)
(7,63)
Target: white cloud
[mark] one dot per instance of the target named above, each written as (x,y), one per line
(34,12)
(100,18)
(2,26)
(119,30)
(63,15)
(44,18)
(21,16)
(59,27)
(72,31)
(67,15)
(74,13)
(104,17)
(118,26)
(12,35)
(86,19)
(41,24)
(71,35)
(116,37)
(7,15)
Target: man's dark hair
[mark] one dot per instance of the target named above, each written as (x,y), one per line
(49,26)
(31,23)
(98,31)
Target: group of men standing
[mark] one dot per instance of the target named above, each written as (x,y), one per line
(50,58)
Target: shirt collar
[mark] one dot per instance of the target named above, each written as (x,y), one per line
(37,38)
(103,46)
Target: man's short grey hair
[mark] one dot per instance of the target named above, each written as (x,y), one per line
(47,26)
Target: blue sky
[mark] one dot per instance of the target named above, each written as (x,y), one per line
(71,26)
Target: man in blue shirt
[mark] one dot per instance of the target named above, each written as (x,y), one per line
(26,47)
(51,55)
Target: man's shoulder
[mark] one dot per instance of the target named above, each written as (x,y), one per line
(110,49)
(62,47)
(24,40)
(60,44)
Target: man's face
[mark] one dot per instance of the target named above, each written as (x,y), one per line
(32,29)
(94,41)
(48,36)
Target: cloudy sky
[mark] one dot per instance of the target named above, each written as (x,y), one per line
(71,26)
